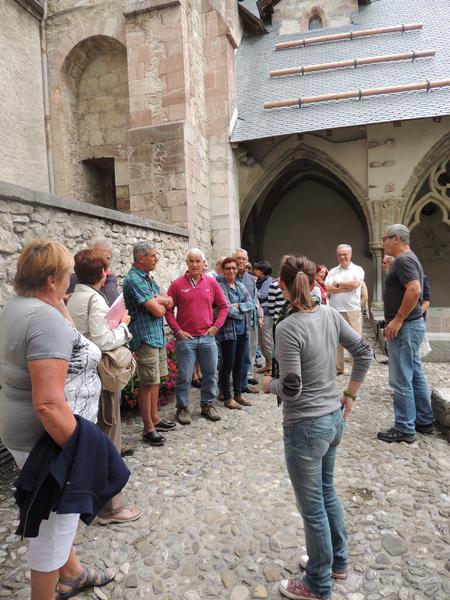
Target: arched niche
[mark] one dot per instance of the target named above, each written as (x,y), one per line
(96,122)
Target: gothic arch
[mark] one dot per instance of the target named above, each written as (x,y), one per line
(424,170)
(271,173)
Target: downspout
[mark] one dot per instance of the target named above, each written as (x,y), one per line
(45,91)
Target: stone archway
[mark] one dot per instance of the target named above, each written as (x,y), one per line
(262,183)
(307,209)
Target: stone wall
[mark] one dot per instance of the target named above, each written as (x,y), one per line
(22,135)
(294,15)
(25,215)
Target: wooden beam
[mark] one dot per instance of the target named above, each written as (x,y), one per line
(352,35)
(353,62)
(396,89)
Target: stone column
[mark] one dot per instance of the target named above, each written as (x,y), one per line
(377,252)
(167,140)
(219,44)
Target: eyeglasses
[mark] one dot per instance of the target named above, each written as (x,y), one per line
(386,237)
(230,268)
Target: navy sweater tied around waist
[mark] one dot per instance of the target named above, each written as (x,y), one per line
(79,478)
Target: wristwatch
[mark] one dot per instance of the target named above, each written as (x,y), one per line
(349,395)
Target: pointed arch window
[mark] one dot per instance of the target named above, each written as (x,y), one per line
(315,22)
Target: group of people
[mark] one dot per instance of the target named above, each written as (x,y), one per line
(214,320)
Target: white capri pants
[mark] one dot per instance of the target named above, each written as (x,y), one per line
(50,550)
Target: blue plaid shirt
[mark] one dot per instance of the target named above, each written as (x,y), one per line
(138,288)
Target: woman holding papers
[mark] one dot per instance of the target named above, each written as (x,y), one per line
(93,318)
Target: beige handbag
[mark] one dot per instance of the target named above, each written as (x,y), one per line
(116,368)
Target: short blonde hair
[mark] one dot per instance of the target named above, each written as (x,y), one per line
(39,260)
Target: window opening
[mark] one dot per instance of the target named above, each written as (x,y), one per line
(315,22)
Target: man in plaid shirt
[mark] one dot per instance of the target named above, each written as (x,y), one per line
(147,307)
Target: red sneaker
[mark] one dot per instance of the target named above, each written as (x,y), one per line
(297,590)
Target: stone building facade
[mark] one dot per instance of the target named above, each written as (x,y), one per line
(143,108)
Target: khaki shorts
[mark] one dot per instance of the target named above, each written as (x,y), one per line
(151,364)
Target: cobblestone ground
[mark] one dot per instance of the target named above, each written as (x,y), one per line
(220,520)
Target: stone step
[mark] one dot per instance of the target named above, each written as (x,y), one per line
(440,347)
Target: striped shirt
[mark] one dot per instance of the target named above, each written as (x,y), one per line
(275,301)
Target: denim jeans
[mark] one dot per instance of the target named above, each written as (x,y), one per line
(246,361)
(233,352)
(310,450)
(204,350)
(411,394)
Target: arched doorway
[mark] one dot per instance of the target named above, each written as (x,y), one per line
(307,210)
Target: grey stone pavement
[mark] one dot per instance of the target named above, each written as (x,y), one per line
(220,520)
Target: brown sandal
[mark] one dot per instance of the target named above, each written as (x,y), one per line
(89,577)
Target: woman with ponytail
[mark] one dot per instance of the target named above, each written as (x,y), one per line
(313,421)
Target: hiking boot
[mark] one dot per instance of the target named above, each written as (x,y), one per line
(297,590)
(242,400)
(232,404)
(210,412)
(394,435)
(183,416)
(427,429)
(220,397)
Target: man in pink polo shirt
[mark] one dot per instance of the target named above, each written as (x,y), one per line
(194,297)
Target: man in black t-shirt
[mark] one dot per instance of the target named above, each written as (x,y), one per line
(405,329)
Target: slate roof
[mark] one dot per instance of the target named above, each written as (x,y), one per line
(251,6)
(257,57)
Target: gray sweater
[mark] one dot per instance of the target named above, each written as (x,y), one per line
(306,344)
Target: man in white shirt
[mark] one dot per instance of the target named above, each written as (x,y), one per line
(343,283)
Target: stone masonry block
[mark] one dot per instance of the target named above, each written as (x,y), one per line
(171,64)
(440,401)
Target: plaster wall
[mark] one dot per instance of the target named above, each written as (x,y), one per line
(394,152)
(22,135)
(313,219)
(294,15)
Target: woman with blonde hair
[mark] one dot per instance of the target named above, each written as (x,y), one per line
(38,347)
(313,422)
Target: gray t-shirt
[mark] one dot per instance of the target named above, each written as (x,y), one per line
(30,330)
(306,344)
(403,270)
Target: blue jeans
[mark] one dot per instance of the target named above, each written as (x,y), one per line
(310,450)
(204,350)
(411,394)
(246,364)
(232,360)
